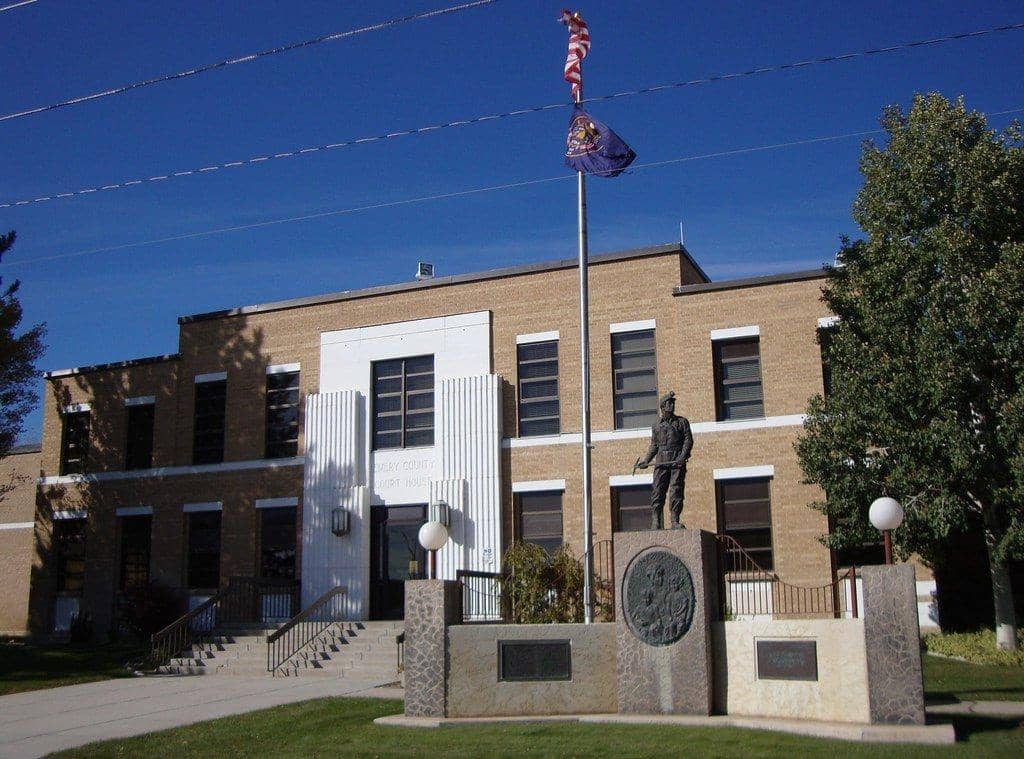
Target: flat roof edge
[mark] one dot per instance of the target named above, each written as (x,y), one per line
(455,279)
(58,373)
(25,448)
(735,284)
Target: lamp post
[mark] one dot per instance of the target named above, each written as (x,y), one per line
(433,536)
(886,515)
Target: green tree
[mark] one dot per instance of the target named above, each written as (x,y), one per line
(18,354)
(927,359)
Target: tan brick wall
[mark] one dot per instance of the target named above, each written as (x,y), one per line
(18,474)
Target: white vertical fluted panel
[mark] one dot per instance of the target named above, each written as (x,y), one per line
(468,423)
(334,478)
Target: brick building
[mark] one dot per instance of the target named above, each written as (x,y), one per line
(304,439)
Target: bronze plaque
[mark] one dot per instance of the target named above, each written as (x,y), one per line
(787,660)
(526,660)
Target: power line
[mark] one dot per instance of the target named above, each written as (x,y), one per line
(456,194)
(12,6)
(243,59)
(504,115)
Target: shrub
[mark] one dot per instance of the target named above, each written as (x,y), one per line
(81,628)
(975,647)
(146,610)
(539,588)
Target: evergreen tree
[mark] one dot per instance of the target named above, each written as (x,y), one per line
(18,354)
(927,358)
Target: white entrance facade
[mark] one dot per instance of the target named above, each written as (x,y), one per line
(342,471)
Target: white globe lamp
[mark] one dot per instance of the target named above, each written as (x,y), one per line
(433,536)
(886,514)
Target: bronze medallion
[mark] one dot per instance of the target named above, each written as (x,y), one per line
(658,597)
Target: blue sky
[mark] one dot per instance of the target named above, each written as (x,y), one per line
(746,214)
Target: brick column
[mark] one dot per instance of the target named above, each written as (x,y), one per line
(430,607)
(892,639)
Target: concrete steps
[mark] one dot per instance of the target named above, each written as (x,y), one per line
(356,650)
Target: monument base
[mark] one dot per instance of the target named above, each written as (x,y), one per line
(666,596)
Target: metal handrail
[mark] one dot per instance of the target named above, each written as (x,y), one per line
(297,632)
(241,601)
(769,594)
(480,604)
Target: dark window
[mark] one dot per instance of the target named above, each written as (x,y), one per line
(635,379)
(208,433)
(738,379)
(74,442)
(69,552)
(139,448)
(204,549)
(277,543)
(135,548)
(538,388)
(403,402)
(825,340)
(744,514)
(282,415)
(631,508)
(540,519)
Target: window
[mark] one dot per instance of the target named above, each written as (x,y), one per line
(538,388)
(204,549)
(636,382)
(282,415)
(277,543)
(208,432)
(744,514)
(74,442)
(139,447)
(540,519)
(135,550)
(631,508)
(824,340)
(738,379)
(69,552)
(403,402)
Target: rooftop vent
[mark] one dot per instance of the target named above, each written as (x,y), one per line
(424,270)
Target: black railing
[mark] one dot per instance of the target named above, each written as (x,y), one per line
(481,596)
(245,600)
(603,588)
(746,589)
(304,627)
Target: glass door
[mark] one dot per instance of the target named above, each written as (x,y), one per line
(395,556)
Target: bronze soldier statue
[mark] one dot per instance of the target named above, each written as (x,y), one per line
(671,443)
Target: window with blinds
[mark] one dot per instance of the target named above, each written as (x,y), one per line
(282,433)
(631,508)
(738,379)
(74,442)
(208,427)
(403,402)
(537,365)
(745,514)
(540,519)
(635,378)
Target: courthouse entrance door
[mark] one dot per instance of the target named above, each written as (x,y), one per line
(395,556)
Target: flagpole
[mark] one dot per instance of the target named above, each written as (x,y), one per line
(588,535)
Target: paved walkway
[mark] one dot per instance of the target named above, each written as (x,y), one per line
(39,722)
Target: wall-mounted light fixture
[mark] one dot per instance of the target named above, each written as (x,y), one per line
(439,511)
(340,521)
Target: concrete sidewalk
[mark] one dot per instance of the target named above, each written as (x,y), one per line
(39,722)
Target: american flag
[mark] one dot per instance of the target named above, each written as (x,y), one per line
(579,46)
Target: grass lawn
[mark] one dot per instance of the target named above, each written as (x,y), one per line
(947,680)
(344,727)
(30,667)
